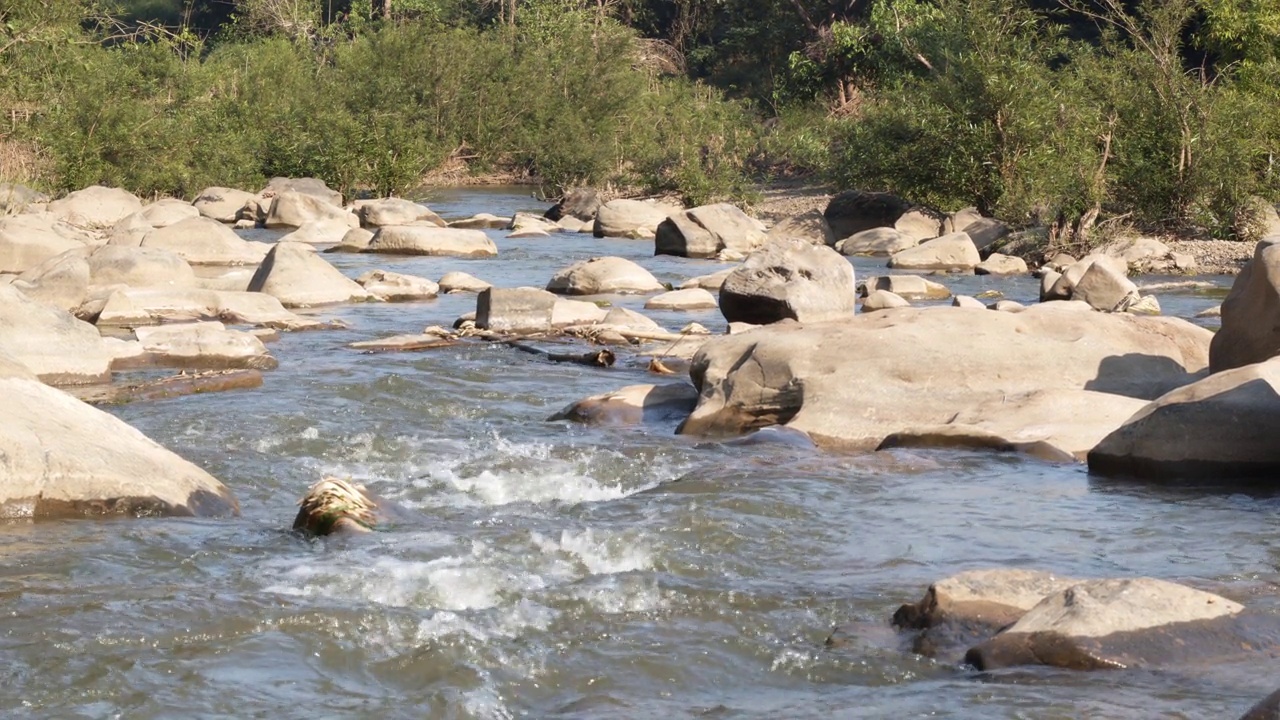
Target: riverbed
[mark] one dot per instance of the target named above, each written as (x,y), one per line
(549,570)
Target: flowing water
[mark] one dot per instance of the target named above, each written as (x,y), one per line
(555,571)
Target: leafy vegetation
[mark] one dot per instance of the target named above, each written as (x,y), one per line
(1063,113)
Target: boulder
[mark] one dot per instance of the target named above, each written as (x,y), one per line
(567,313)
(1251,312)
(395,287)
(95,207)
(1050,289)
(603,275)
(397,211)
(633,405)
(960,219)
(296,275)
(631,219)
(1140,254)
(690,299)
(166,212)
(354,240)
(515,310)
(1219,427)
(883,300)
(1105,289)
(61,281)
(949,252)
(967,301)
(129,231)
(482,221)
(706,231)
(1268,708)
(853,211)
(569,223)
(1007,306)
(985,232)
(221,204)
(620,317)
(810,226)
(714,281)
(1118,623)
(49,342)
(856,382)
(789,279)
(28,240)
(997,264)
(974,605)
(201,241)
(62,458)
(313,187)
(320,232)
(1148,305)
(202,345)
(876,241)
(910,287)
(139,267)
(529,225)
(427,240)
(15,198)
(295,209)
(133,307)
(579,203)
(459,282)
(919,225)
(235,279)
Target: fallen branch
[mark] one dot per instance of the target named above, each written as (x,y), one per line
(599,358)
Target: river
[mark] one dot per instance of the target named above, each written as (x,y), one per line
(557,571)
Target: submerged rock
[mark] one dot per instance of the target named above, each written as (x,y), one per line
(397,287)
(335,506)
(633,405)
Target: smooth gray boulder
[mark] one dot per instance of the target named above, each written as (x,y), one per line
(139,267)
(167,211)
(95,207)
(1216,428)
(398,287)
(949,252)
(30,239)
(429,240)
(706,231)
(295,209)
(201,241)
(883,300)
(712,282)
(201,345)
(997,264)
(61,281)
(579,203)
(910,287)
(1105,289)
(296,275)
(515,310)
(810,226)
(396,211)
(1251,312)
(789,279)
(604,275)
(61,458)
(221,204)
(313,187)
(459,282)
(49,342)
(631,219)
(876,241)
(328,231)
(688,299)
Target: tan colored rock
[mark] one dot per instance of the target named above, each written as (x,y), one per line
(201,241)
(633,405)
(1115,623)
(321,232)
(690,299)
(706,231)
(62,281)
(1007,306)
(910,287)
(129,231)
(1050,288)
(15,198)
(30,239)
(456,282)
(307,186)
(355,240)
(631,219)
(139,267)
(397,287)
(602,275)
(567,313)
(515,310)
(997,264)
(919,225)
(712,282)
(620,317)
(397,211)
(202,345)
(883,300)
(960,219)
(482,221)
(168,211)
(855,382)
(296,275)
(62,458)
(133,307)
(1251,312)
(1148,305)
(49,342)
(949,252)
(810,226)
(95,207)
(221,204)
(1218,427)
(985,232)
(876,241)
(233,279)
(789,279)
(292,209)
(986,599)
(426,240)
(967,301)
(1104,289)
(1140,254)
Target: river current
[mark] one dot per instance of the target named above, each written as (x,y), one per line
(556,571)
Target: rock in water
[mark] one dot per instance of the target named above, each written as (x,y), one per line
(703,232)
(1251,312)
(334,506)
(604,275)
(62,458)
(789,279)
